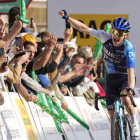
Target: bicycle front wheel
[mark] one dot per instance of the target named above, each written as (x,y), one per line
(116,128)
(127,127)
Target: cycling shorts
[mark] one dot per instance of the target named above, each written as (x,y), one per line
(114,84)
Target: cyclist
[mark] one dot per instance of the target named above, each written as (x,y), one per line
(120,63)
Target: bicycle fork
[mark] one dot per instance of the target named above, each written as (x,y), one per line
(117,112)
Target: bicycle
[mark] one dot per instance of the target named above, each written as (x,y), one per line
(121,126)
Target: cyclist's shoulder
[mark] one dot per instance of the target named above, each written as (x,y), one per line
(128,44)
(128,48)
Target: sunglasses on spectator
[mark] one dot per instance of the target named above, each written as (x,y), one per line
(118,32)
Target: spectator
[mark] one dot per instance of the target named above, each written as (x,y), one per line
(75,74)
(27,80)
(12,74)
(13,13)
(41,66)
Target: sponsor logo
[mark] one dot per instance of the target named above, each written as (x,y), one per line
(130,54)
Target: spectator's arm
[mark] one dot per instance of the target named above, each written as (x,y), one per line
(49,68)
(59,95)
(77,82)
(8,37)
(59,50)
(67,59)
(42,60)
(23,92)
(102,80)
(79,90)
(31,83)
(77,70)
(45,55)
(14,75)
(67,34)
(21,89)
(66,77)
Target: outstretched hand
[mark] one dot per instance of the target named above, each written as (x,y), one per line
(81,69)
(61,13)
(52,41)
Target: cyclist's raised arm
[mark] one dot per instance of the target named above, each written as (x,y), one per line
(76,24)
(101,35)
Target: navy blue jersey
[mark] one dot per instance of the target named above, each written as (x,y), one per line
(117,59)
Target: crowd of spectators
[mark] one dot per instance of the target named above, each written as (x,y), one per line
(59,66)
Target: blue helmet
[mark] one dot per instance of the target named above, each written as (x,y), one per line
(121,24)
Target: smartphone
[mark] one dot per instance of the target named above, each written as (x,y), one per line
(31,22)
(67,24)
(19,43)
(93,72)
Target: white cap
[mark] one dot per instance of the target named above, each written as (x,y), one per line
(72,44)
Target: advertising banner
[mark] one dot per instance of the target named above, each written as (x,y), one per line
(5,7)
(24,117)
(11,129)
(97,120)
(74,130)
(44,122)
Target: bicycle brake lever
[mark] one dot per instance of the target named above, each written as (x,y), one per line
(96,102)
(132,102)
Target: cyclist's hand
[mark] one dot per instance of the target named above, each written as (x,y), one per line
(129,93)
(123,92)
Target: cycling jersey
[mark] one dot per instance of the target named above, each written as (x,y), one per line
(117,59)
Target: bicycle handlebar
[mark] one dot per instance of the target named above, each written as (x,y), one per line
(111,96)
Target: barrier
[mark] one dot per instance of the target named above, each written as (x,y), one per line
(11,129)
(44,123)
(24,117)
(74,130)
(97,120)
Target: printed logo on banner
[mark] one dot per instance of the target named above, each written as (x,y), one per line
(95,21)
(26,120)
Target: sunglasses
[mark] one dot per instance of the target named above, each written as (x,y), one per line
(118,32)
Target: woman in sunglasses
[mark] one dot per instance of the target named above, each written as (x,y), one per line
(119,60)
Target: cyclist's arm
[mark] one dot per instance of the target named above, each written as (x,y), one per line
(101,35)
(131,78)
(79,25)
(129,53)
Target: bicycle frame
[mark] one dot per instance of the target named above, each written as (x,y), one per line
(117,112)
